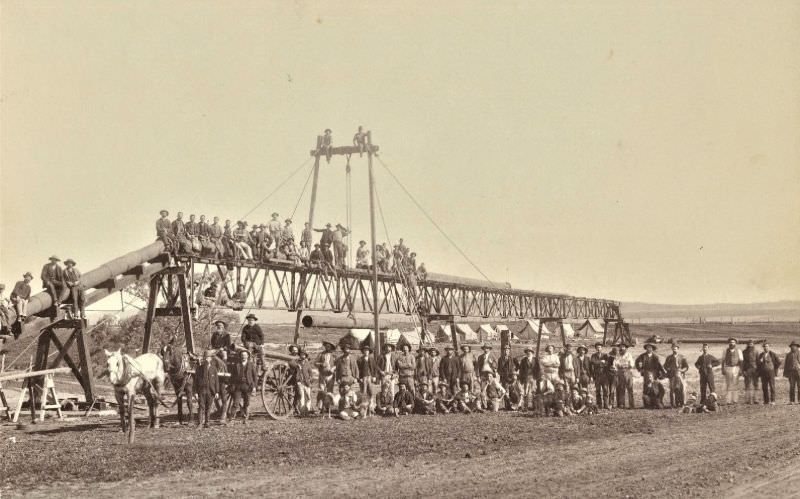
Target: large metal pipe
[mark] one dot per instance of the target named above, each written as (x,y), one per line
(105,272)
(465,281)
(342,322)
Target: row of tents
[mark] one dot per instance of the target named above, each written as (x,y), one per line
(591,328)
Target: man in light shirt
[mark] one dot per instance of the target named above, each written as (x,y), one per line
(732,361)
(551,364)
(624,364)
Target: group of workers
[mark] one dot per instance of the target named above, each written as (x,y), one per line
(273,240)
(62,283)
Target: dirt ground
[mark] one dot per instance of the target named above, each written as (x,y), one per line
(742,451)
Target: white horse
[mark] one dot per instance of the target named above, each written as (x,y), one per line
(144,374)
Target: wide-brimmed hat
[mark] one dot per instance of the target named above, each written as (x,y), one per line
(251,316)
(448,347)
(163,212)
(69,261)
(328,344)
(275,214)
(582,347)
(486,346)
(443,384)
(529,349)
(328,225)
(290,347)
(362,242)
(345,347)
(27,274)
(751,341)
(288,220)
(388,345)
(433,350)
(598,344)
(328,130)
(466,347)
(54,258)
(794,344)
(366,346)
(224,324)
(651,345)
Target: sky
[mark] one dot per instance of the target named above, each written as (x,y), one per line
(638,151)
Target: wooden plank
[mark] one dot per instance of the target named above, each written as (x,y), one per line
(32,374)
(344,150)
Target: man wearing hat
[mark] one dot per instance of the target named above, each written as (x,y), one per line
(164,231)
(649,363)
(275,229)
(325,364)
(466,367)
(436,363)
(507,366)
(227,240)
(750,372)
(252,337)
(327,144)
(676,367)
(486,365)
(179,233)
(346,366)
(598,370)
(339,248)
(206,386)
(732,361)
(624,365)
(362,256)
(386,370)
(566,370)
(529,372)
(791,371)
(424,401)
(240,238)
(72,279)
(367,367)
(424,366)
(244,379)
(768,364)
(582,368)
(287,234)
(406,365)
(449,369)
(302,378)
(53,279)
(215,237)
(551,364)
(403,400)
(326,239)
(705,364)
(20,296)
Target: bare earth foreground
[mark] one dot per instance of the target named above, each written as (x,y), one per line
(746,451)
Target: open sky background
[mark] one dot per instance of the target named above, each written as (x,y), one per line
(627,150)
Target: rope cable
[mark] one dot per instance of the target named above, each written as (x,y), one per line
(431,220)
(302,193)
(276,189)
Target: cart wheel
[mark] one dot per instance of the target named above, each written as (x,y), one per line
(276,392)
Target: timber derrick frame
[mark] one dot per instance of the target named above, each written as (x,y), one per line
(78,361)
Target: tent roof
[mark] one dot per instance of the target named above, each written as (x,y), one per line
(595,324)
(531,329)
(568,330)
(501,327)
(469,334)
(361,334)
(392,336)
(486,328)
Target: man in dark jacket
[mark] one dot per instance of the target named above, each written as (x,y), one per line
(244,379)
(449,369)
(528,374)
(599,364)
(485,365)
(750,372)
(582,367)
(676,367)
(768,364)
(206,385)
(406,365)
(648,362)
(253,337)
(53,279)
(367,367)
(403,401)
(705,364)
(791,371)
(386,371)
(346,367)
(507,366)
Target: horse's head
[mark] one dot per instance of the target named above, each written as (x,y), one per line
(172,357)
(115,366)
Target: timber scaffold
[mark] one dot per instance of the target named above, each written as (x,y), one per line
(284,286)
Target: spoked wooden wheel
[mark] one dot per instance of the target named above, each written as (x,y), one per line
(276,391)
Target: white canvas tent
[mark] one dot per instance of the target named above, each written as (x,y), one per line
(392,336)
(569,332)
(411,338)
(531,331)
(355,338)
(487,333)
(592,327)
(443,333)
(466,334)
(498,330)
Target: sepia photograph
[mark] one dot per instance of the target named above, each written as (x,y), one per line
(460,249)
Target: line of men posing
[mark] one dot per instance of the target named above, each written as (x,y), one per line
(400,382)
(273,240)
